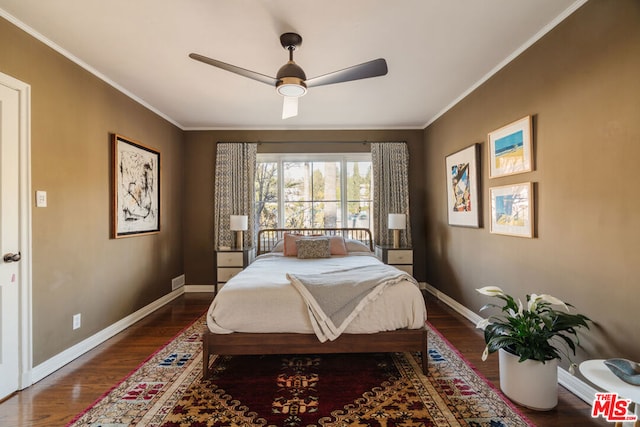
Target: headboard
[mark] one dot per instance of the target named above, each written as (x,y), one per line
(268,237)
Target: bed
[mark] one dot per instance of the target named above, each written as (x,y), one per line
(258,311)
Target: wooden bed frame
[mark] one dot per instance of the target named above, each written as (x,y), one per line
(238,343)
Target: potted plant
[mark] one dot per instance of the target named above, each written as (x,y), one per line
(530,340)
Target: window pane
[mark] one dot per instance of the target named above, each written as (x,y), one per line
(326,191)
(267,194)
(359,181)
(297,214)
(359,214)
(297,181)
(327,214)
(359,195)
(267,215)
(326,181)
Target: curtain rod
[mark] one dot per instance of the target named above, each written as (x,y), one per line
(314,142)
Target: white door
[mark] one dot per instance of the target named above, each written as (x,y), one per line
(9,241)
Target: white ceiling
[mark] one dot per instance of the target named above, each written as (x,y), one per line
(436,50)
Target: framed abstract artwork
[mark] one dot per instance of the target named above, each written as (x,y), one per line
(462,179)
(512,209)
(510,149)
(136,188)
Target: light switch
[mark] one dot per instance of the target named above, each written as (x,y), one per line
(41,199)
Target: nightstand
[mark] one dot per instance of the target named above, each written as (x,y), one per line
(230,262)
(401,258)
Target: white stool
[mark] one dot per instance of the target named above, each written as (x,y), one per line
(598,373)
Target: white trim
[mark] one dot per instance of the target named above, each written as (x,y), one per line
(15,21)
(311,128)
(576,386)
(551,25)
(200,288)
(455,305)
(579,388)
(58,361)
(26,269)
(364,156)
(25,348)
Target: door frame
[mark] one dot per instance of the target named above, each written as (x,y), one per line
(25,345)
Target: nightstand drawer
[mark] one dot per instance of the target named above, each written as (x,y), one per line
(230,259)
(400,256)
(226,273)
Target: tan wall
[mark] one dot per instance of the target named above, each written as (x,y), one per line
(581,84)
(77,267)
(200,153)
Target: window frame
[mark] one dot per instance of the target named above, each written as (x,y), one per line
(342,158)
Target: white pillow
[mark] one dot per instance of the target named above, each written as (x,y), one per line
(279,246)
(356,246)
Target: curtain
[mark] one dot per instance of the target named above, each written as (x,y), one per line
(234,190)
(390,164)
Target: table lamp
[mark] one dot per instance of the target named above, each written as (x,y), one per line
(397,222)
(239,223)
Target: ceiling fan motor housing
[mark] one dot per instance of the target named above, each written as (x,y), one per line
(291,80)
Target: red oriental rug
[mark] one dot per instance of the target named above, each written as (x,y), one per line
(386,389)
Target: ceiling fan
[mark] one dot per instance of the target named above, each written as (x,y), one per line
(291,82)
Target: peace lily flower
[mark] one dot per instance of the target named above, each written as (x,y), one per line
(539,332)
(492,291)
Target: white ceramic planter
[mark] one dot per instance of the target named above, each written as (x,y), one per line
(531,383)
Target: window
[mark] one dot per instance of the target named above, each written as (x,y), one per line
(314,190)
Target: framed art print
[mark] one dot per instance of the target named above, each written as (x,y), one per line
(136,188)
(462,178)
(510,149)
(512,210)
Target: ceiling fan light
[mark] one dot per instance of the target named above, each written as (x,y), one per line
(291,86)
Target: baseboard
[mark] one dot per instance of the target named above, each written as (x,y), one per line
(200,288)
(58,361)
(576,386)
(455,305)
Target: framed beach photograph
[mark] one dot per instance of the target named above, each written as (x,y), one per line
(136,188)
(510,149)
(462,179)
(512,210)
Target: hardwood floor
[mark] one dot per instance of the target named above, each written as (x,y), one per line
(55,400)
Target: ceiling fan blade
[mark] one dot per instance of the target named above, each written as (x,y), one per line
(289,107)
(237,70)
(375,68)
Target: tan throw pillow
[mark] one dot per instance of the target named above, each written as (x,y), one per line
(290,244)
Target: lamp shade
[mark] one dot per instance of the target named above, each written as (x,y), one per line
(397,221)
(239,222)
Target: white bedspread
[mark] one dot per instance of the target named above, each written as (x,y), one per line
(261,299)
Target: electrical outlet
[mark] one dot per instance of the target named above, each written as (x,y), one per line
(77,321)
